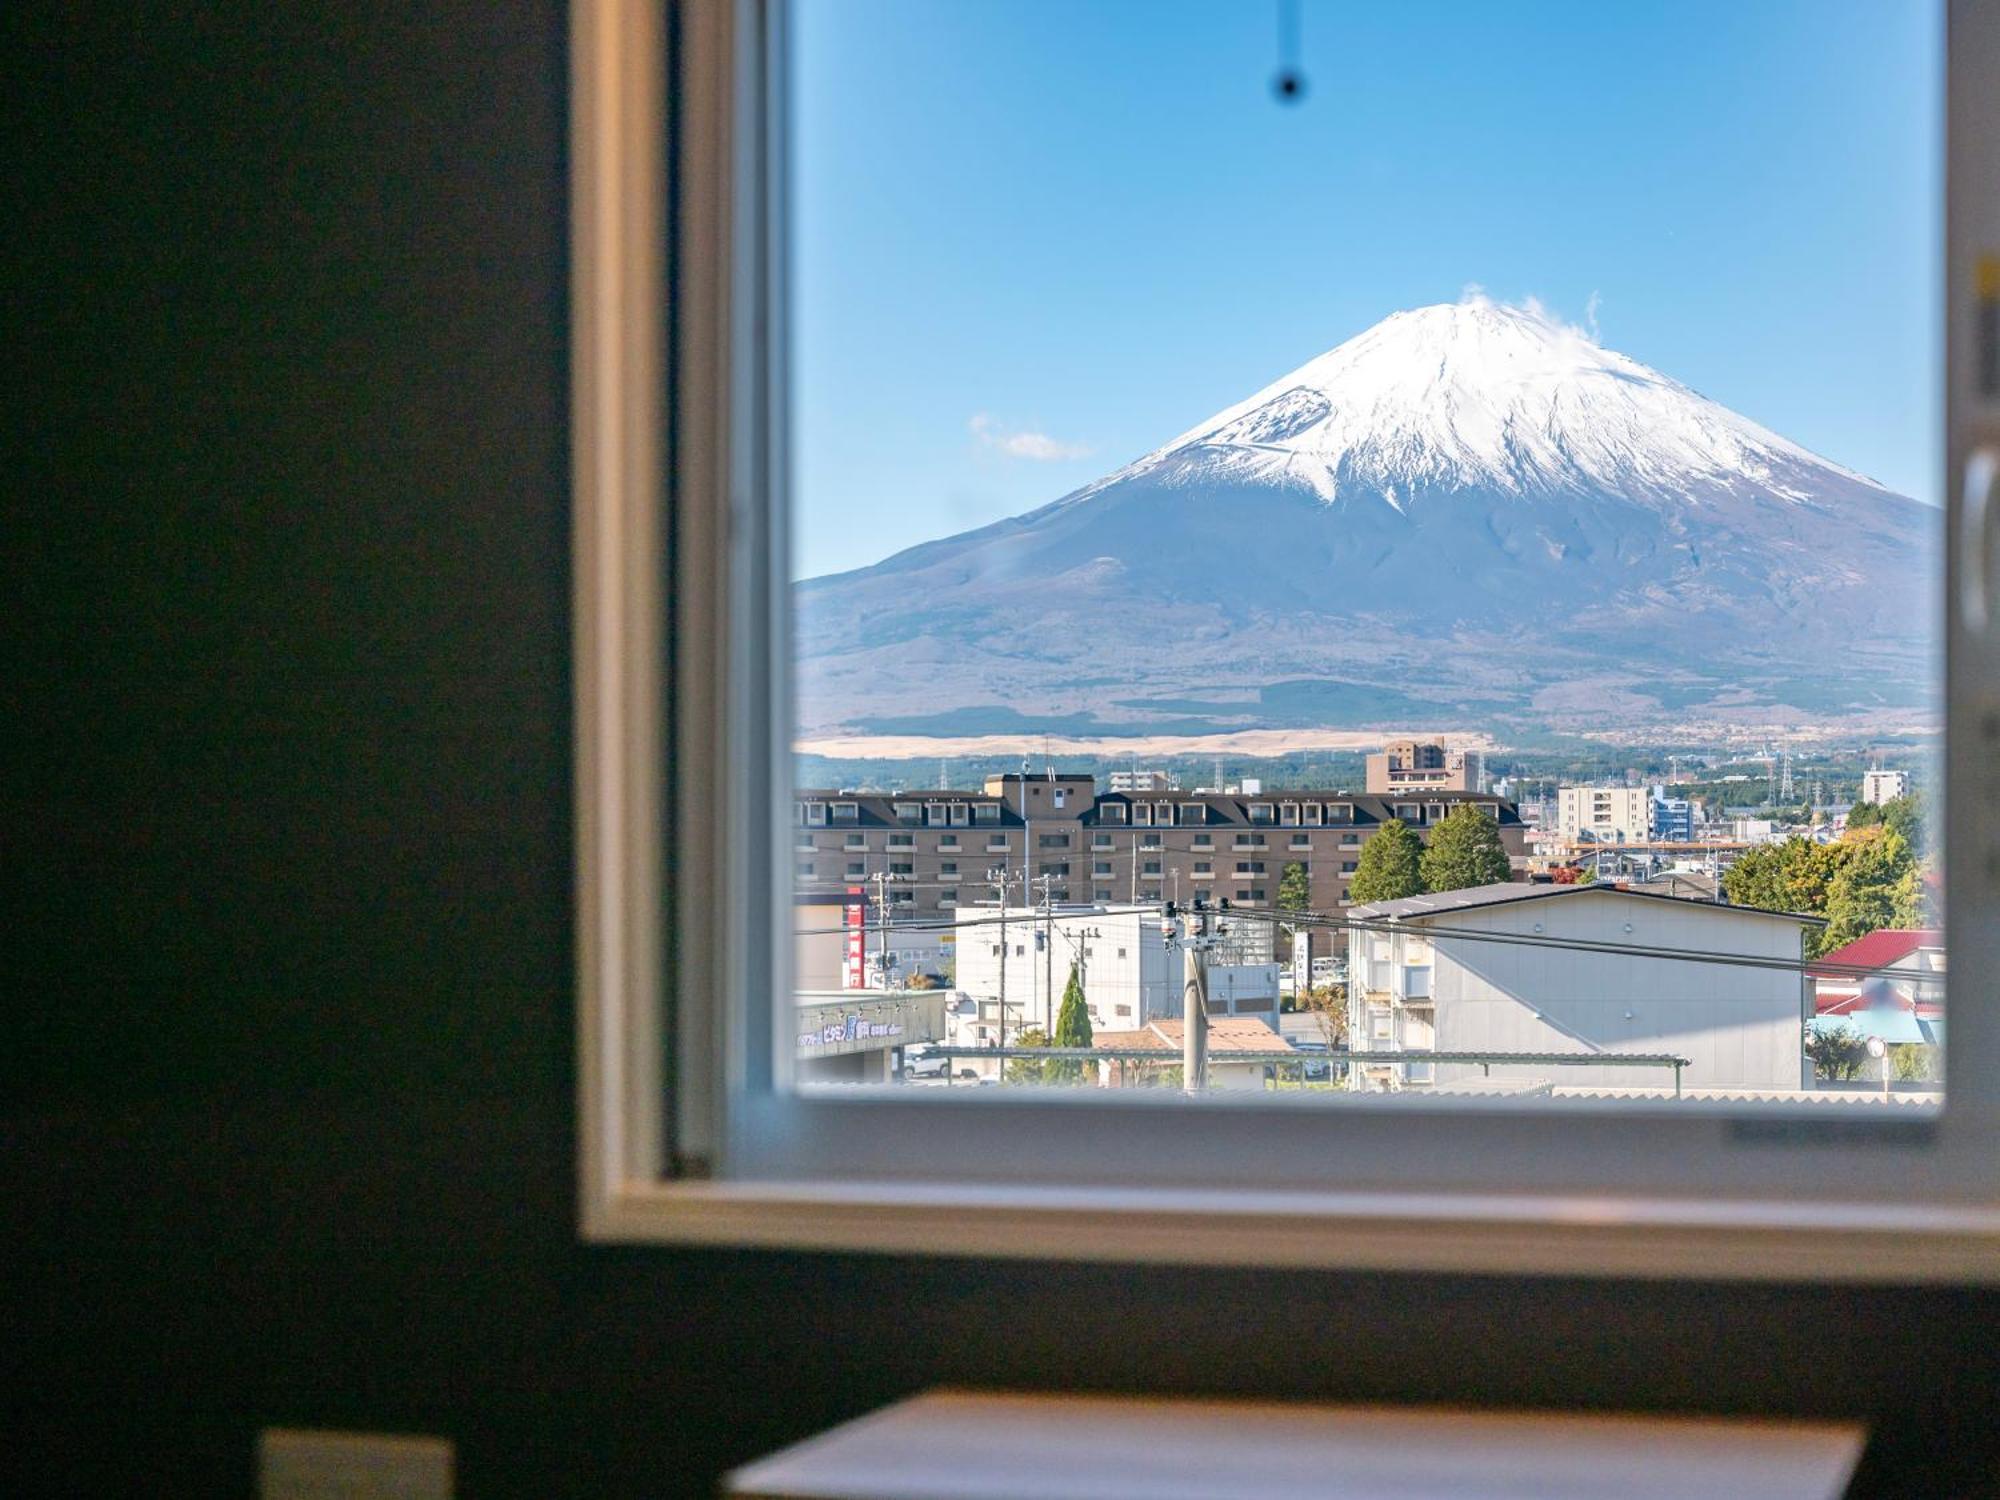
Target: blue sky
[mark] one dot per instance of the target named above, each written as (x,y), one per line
(1036,238)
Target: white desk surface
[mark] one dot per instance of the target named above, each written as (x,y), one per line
(972,1445)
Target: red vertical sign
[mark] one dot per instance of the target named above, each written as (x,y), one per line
(857,938)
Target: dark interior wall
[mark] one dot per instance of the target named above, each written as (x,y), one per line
(287,947)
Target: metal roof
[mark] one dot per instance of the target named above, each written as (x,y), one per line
(1440,903)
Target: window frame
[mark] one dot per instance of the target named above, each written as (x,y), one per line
(730,1162)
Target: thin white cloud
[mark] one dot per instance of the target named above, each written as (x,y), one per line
(1475,295)
(1038,447)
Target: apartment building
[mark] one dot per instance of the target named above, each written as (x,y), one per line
(1141,781)
(1420,766)
(1880,786)
(1463,972)
(1604,814)
(1672,817)
(1054,836)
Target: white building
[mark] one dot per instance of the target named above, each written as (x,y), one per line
(1131,974)
(1435,982)
(1141,781)
(1604,814)
(1884,786)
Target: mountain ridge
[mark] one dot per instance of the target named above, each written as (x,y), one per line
(1475,502)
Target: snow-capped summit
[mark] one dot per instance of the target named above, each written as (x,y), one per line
(1469,515)
(1478,394)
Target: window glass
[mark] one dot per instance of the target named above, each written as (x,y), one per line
(1490,448)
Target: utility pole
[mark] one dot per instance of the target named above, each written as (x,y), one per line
(1194,1001)
(882,878)
(1079,945)
(1048,955)
(883,919)
(999,878)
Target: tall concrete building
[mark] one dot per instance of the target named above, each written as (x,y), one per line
(1419,766)
(1140,781)
(1884,786)
(1605,814)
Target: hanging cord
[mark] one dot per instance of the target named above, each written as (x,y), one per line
(1289,83)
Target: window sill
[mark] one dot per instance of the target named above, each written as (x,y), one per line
(1480,1234)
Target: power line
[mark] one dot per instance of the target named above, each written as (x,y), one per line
(1324,922)
(1583,945)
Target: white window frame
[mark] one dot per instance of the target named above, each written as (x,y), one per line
(741,1158)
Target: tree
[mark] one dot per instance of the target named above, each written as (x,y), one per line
(1328,1004)
(1905,815)
(1465,850)
(1837,1052)
(1792,876)
(1875,887)
(1295,888)
(1864,815)
(1388,867)
(1914,1062)
(1072,1029)
(1864,881)
(1294,895)
(1029,1069)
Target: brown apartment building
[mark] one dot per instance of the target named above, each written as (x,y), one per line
(932,851)
(1419,766)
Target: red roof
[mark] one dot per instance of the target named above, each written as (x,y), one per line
(1877,950)
(1876,993)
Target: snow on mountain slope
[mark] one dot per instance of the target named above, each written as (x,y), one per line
(1477,394)
(1472,502)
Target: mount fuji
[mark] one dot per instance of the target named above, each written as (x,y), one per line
(1470,515)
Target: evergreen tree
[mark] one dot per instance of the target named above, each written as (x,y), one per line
(1465,850)
(1876,887)
(1072,1029)
(1905,815)
(1864,815)
(1387,869)
(1029,1069)
(1294,888)
(1294,895)
(1864,881)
